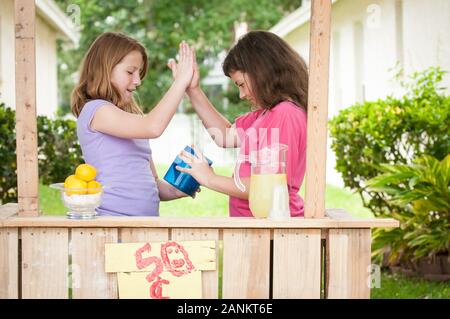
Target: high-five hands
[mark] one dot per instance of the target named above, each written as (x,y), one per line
(176,68)
(185,66)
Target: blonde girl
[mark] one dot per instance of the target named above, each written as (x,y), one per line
(112,129)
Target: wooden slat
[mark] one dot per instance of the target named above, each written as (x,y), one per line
(326,263)
(349,263)
(210,279)
(197,222)
(296,263)
(246,263)
(89,279)
(316,150)
(45,260)
(143,235)
(9,263)
(26,124)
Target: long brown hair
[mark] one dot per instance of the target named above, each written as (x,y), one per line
(104,54)
(276,72)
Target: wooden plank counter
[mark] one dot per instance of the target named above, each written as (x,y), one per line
(198,222)
(330,257)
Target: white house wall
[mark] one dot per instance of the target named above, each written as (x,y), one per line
(378,45)
(46,63)
(421,40)
(7,84)
(46,70)
(427,41)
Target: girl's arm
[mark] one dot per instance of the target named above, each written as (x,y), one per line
(205,175)
(226,185)
(220,129)
(116,122)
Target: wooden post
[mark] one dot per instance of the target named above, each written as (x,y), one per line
(26,125)
(319,60)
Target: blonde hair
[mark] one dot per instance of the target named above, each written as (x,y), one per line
(103,55)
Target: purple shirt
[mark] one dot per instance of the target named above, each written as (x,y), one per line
(123,165)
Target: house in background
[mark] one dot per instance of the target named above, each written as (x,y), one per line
(51,24)
(368,39)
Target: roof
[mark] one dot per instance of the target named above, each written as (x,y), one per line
(294,20)
(52,14)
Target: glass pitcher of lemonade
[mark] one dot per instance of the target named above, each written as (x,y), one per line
(268,195)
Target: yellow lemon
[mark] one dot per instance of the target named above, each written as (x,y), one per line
(86,172)
(74,182)
(69,180)
(93,184)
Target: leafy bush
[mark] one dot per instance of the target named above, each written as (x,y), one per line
(391,131)
(58,151)
(8,177)
(422,191)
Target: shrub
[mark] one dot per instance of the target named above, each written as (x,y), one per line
(422,191)
(58,151)
(391,131)
(8,177)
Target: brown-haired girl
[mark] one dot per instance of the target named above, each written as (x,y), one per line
(274,79)
(112,129)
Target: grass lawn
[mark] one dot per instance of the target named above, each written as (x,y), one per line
(209,203)
(396,286)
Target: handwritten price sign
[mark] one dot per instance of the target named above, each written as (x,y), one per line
(160,270)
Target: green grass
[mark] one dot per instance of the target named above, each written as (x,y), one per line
(50,202)
(210,203)
(396,286)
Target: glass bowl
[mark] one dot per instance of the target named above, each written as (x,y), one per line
(80,202)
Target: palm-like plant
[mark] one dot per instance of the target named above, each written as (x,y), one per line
(422,192)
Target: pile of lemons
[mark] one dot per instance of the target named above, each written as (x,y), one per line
(83,180)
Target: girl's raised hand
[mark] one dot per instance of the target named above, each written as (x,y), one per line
(196,76)
(195,81)
(185,68)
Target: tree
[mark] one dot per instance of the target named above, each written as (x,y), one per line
(161,25)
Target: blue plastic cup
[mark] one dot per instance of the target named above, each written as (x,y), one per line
(180,180)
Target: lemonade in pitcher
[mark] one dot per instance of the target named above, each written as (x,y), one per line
(268,194)
(262,188)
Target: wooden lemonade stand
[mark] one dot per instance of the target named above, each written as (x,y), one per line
(327,254)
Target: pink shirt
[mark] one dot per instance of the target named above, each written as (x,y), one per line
(288,121)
